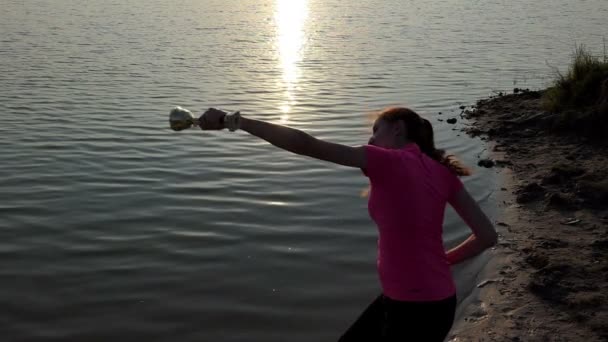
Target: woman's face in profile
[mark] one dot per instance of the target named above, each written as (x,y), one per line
(383,134)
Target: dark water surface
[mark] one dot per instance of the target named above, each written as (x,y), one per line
(113,227)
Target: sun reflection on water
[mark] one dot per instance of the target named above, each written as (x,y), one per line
(290,18)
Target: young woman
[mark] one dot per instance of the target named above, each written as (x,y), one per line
(411,183)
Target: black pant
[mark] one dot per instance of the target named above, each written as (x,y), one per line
(389,320)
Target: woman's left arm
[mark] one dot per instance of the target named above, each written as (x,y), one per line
(300,142)
(290,139)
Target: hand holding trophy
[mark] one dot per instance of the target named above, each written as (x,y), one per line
(212,119)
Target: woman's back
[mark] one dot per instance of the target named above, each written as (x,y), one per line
(409,192)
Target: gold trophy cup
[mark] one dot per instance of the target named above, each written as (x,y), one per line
(181,118)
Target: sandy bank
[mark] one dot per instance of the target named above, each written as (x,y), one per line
(548,277)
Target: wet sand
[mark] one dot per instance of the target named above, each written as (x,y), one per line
(548,276)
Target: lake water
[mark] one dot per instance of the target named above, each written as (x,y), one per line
(113,227)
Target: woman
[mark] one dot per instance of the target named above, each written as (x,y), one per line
(411,183)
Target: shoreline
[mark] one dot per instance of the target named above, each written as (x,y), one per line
(547,278)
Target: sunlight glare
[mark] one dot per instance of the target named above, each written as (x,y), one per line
(290,17)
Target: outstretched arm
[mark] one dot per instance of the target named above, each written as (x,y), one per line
(292,140)
(300,142)
(484,235)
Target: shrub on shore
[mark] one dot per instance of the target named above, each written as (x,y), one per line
(580,98)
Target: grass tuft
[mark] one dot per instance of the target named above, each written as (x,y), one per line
(580,98)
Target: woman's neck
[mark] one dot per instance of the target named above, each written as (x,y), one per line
(401,143)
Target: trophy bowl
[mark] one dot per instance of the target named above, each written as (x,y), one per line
(181,118)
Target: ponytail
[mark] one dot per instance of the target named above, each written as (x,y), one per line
(420,131)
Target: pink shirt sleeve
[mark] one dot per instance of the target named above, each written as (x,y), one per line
(455,185)
(378,161)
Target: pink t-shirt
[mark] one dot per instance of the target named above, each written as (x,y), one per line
(409,192)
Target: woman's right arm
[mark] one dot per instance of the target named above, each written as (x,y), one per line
(484,235)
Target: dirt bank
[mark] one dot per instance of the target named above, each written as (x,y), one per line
(548,280)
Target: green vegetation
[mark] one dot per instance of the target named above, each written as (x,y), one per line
(580,98)
(581,86)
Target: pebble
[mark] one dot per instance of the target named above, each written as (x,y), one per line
(486,163)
